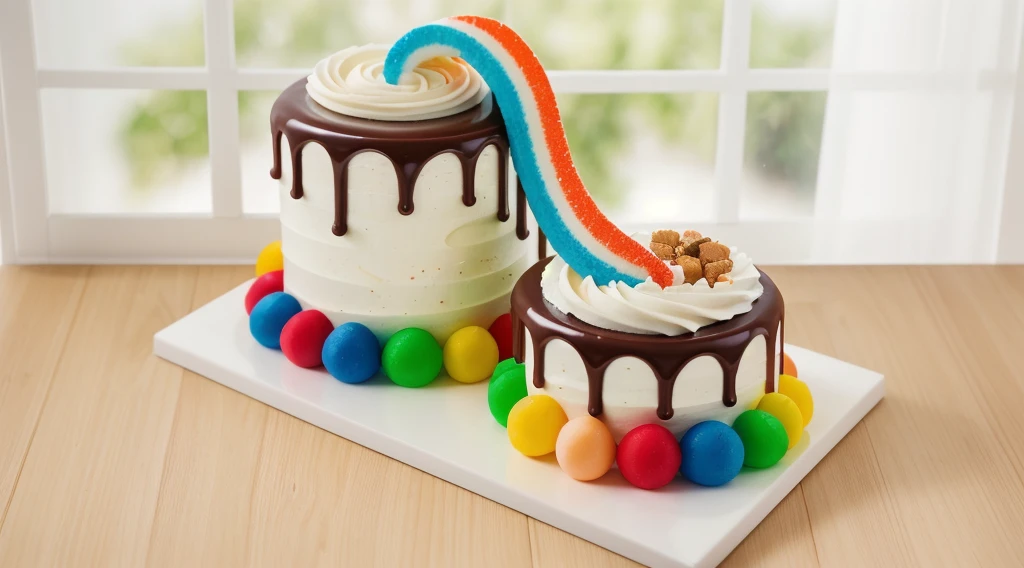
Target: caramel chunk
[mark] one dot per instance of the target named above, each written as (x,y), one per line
(666,236)
(691,247)
(692,235)
(713,270)
(713,252)
(692,271)
(663,251)
(663,244)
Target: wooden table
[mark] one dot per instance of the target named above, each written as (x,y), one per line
(110,456)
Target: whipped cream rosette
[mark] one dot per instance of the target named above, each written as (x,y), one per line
(351,82)
(647,308)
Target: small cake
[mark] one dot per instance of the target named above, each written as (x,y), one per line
(705,348)
(395,205)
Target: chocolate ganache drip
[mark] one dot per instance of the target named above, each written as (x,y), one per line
(408,145)
(666,356)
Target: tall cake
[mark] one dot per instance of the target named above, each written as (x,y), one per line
(395,203)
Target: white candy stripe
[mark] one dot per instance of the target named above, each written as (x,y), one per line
(541,150)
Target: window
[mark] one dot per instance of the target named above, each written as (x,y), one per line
(136,130)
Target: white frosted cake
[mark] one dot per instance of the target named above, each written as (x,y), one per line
(635,355)
(396,214)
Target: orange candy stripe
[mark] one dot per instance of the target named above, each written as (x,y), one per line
(583,206)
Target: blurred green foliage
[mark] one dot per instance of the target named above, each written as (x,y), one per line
(164,132)
(784,136)
(784,129)
(656,34)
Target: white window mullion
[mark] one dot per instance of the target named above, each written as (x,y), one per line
(267,79)
(604,81)
(732,114)
(222,109)
(143,78)
(507,13)
(732,110)
(27,172)
(1007,228)
(828,185)
(967,200)
(159,239)
(636,81)
(6,216)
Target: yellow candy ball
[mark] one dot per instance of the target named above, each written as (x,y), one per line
(797,390)
(534,424)
(470,354)
(270,259)
(782,407)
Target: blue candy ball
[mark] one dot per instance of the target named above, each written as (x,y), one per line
(352,353)
(712,454)
(269,316)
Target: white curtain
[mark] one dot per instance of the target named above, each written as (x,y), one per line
(912,167)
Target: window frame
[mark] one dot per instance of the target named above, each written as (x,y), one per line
(30,234)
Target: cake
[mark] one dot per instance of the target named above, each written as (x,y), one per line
(634,355)
(402,259)
(395,205)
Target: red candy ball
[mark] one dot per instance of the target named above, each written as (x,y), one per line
(501,330)
(649,456)
(303,337)
(263,286)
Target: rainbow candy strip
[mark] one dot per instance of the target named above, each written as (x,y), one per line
(590,243)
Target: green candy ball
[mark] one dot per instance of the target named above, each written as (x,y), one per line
(412,358)
(505,391)
(503,366)
(764,438)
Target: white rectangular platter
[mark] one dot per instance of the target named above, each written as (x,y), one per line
(446,430)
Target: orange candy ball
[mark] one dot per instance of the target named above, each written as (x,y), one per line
(788,366)
(585,449)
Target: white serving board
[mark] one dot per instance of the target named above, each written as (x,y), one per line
(446,430)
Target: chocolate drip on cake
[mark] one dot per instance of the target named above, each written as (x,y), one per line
(409,146)
(468,185)
(725,341)
(770,386)
(521,230)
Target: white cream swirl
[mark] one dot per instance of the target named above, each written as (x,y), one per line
(647,308)
(351,82)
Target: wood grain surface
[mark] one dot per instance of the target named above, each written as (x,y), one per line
(112,457)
